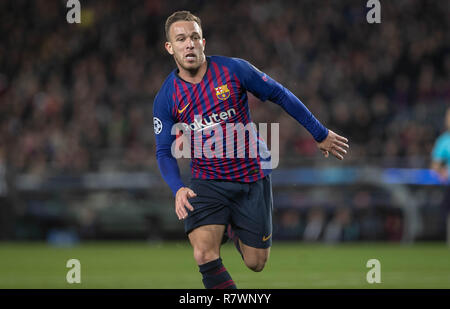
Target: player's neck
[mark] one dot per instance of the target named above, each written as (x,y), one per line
(193,76)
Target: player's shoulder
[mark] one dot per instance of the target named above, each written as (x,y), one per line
(446,135)
(232,62)
(166,87)
(168,82)
(162,101)
(444,139)
(442,144)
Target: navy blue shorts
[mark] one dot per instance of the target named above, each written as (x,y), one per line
(246,206)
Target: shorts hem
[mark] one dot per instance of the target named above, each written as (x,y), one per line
(203,224)
(257,245)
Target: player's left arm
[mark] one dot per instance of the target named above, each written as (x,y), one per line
(265,88)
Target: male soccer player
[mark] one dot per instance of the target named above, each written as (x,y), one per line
(440,162)
(230,195)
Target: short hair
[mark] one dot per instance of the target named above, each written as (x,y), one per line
(180,16)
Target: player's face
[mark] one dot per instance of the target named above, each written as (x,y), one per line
(186,44)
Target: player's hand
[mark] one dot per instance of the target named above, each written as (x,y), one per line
(181,202)
(334,144)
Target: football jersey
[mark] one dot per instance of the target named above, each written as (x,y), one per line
(214,115)
(441,150)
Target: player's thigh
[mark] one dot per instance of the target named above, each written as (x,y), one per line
(210,205)
(255,257)
(252,217)
(206,240)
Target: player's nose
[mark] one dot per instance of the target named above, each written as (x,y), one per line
(189,43)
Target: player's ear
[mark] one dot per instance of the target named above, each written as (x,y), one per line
(169,47)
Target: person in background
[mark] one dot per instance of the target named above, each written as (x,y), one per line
(440,163)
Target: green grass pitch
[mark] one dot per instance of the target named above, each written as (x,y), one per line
(140,265)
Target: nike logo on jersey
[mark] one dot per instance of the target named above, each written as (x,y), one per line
(182,110)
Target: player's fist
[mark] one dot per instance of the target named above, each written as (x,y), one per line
(181,202)
(334,144)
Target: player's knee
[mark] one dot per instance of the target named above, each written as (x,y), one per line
(256,267)
(257,264)
(203,256)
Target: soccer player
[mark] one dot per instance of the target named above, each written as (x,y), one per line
(440,162)
(229,196)
(440,157)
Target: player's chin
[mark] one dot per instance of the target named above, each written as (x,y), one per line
(191,65)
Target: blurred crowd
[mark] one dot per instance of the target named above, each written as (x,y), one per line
(339,224)
(79,97)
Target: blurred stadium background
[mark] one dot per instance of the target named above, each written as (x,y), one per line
(77,159)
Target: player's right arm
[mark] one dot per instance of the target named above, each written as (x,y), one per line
(168,166)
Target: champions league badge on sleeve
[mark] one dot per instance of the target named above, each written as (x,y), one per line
(157,125)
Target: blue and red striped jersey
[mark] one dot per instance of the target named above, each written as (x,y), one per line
(214,115)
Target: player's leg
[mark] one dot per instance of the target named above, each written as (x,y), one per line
(205,229)
(206,241)
(251,228)
(254,258)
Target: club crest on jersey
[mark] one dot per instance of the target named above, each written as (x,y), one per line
(222,92)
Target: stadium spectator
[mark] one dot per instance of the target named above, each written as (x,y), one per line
(289,226)
(315,224)
(341,227)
